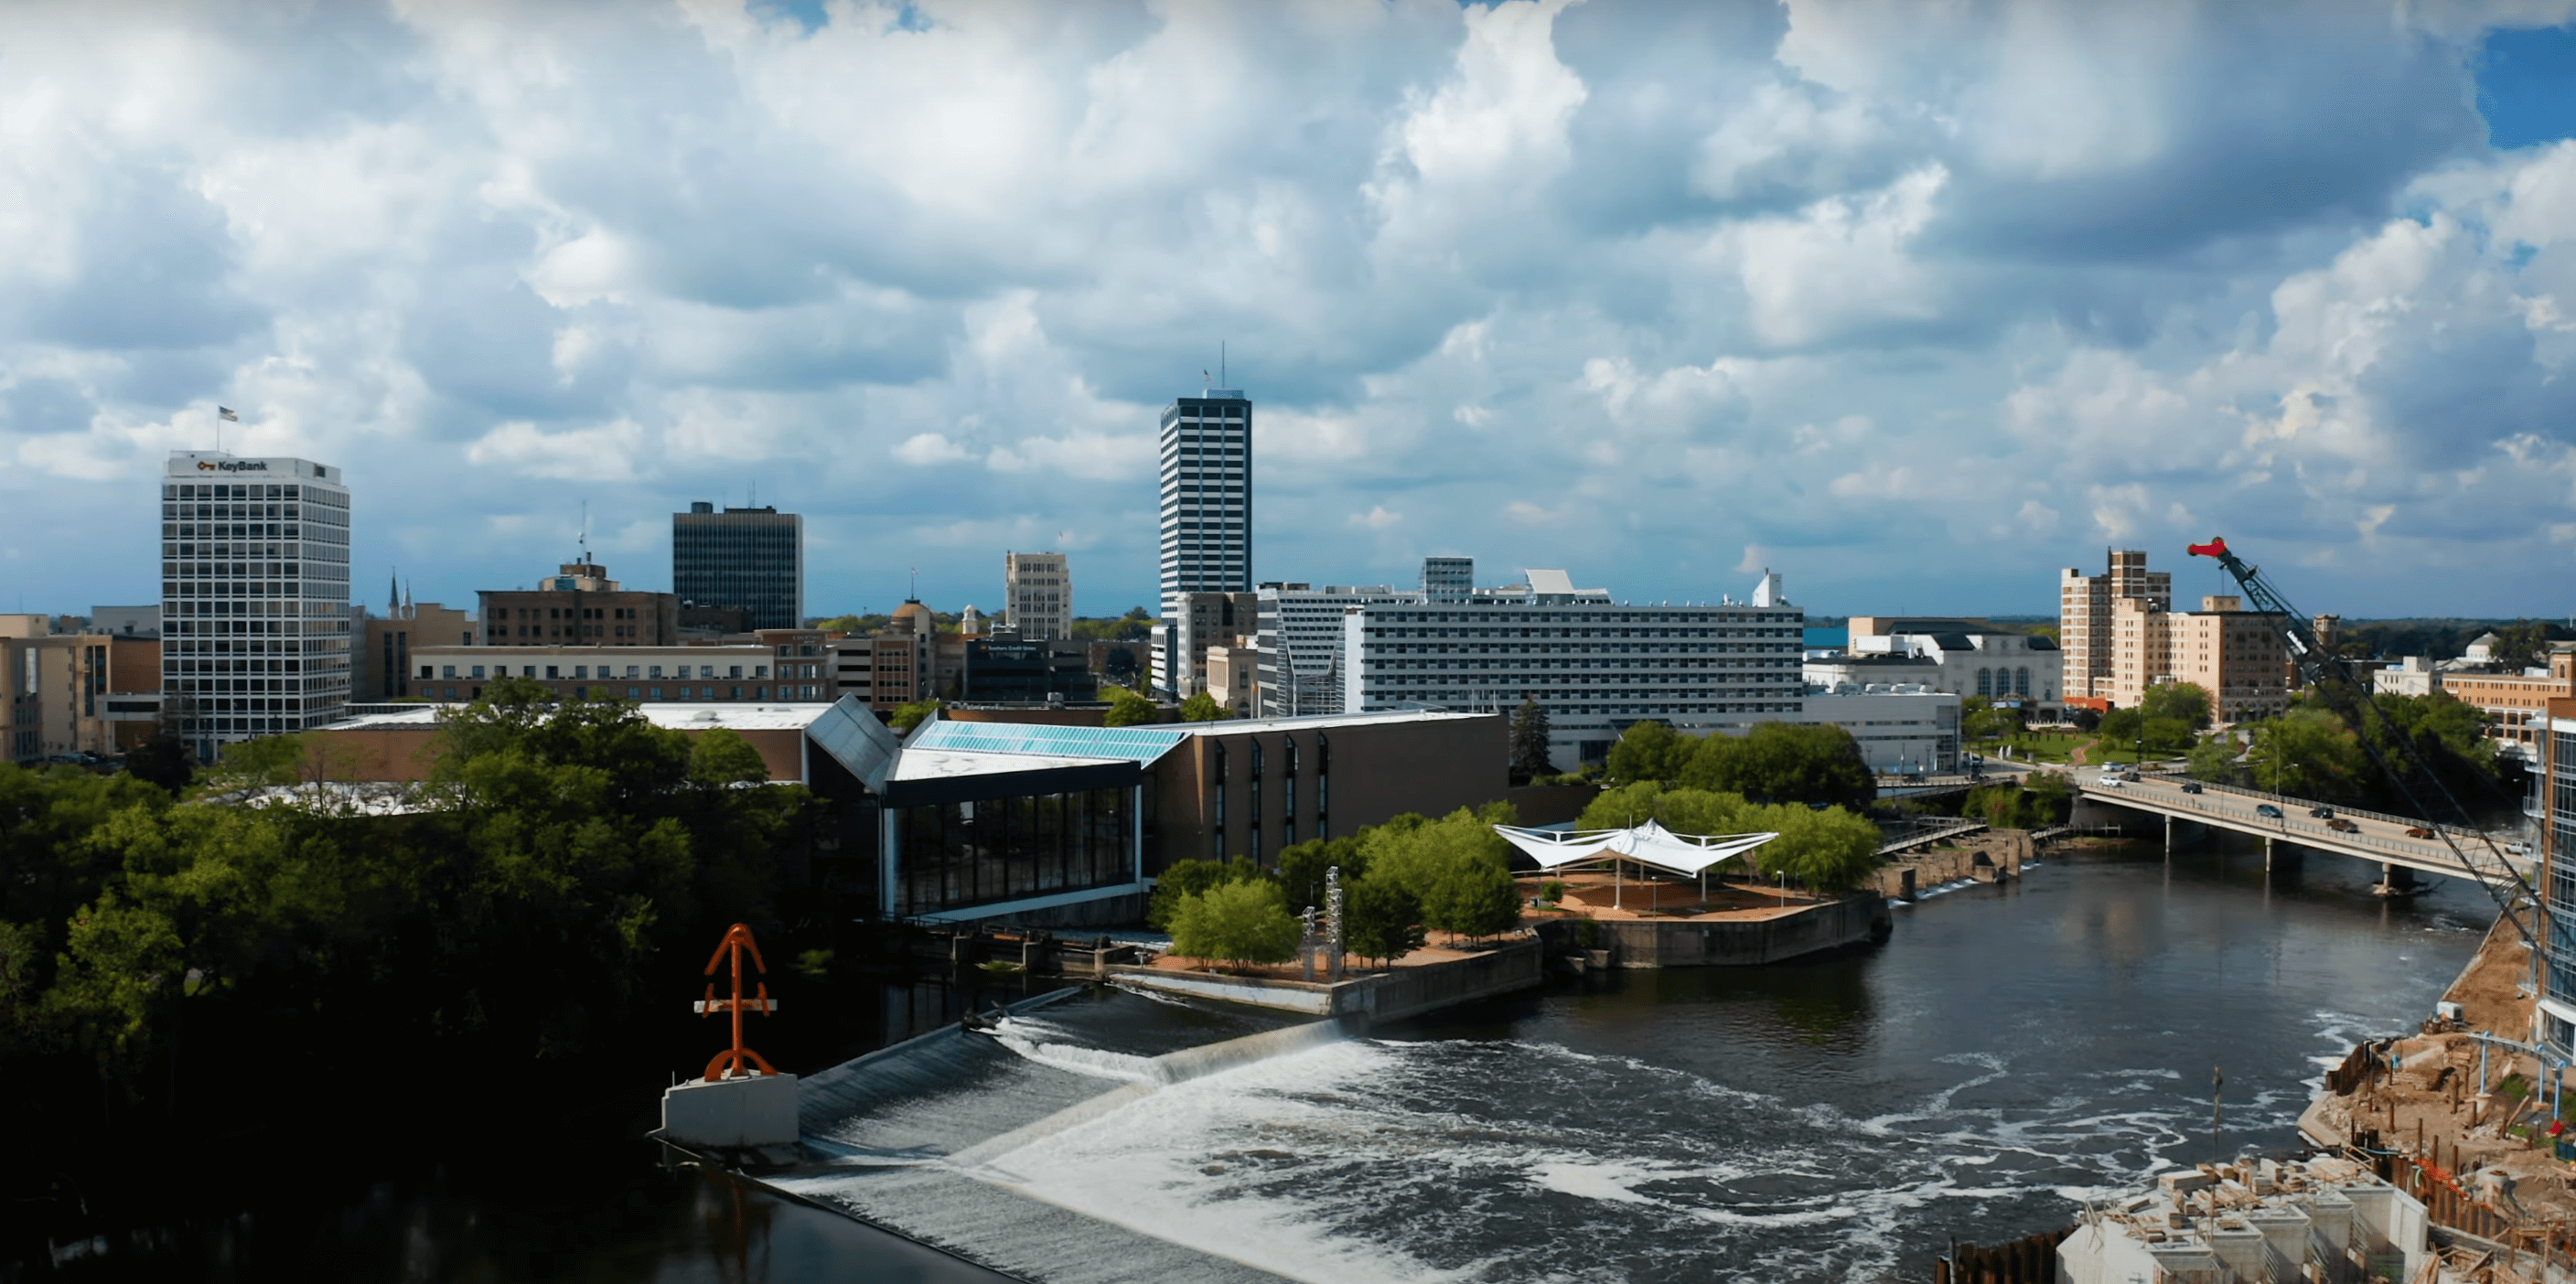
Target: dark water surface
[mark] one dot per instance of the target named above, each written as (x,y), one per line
(2010,1052)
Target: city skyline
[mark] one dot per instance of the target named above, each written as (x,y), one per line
(1490,302)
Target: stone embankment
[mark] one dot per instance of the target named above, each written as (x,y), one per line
(1991,856)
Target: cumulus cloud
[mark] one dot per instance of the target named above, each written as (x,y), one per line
(1607,285)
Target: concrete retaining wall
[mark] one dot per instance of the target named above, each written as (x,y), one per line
(1746,942)
(1400,993)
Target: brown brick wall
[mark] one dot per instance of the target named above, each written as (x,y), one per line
(1378,771)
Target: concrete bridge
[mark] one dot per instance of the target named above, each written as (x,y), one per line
(2374,836)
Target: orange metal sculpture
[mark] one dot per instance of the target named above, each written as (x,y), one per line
(737,1059)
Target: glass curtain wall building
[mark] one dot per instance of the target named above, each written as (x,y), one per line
(1206,508)
(2558,883)
(254,596)
(752,559)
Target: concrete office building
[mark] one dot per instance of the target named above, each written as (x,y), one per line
(1196,623)
(2086,630)
(2236,655)
(684,674)
(254,596)
(1595,665)
(77,693)
(752,558)
(2554,745)
(1448,579)
(1037,596)
(1206,448)
(1299,643)
(1901,727)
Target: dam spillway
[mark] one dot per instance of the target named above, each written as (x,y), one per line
(2014,1051)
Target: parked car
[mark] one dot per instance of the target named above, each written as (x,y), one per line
(2341,825)
(2322,813)
(2419,832)
(2192,788)
(2267,811)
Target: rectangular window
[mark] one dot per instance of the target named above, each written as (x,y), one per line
(657,693)
(653,671)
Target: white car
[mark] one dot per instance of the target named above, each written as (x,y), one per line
(2112,782)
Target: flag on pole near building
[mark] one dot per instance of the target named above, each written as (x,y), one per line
(225,412)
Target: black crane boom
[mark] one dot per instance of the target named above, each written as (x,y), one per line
(2336,682)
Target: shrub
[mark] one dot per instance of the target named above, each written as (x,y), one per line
(1239,922)
(1552,891)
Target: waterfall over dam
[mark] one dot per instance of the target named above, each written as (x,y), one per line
(919,1137)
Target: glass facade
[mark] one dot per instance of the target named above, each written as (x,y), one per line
(983,851)
(254,596)
(752,559)
(2559,977)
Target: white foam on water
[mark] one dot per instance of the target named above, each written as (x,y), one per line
(1611,1181)
(1026,1038)
(1158,1166)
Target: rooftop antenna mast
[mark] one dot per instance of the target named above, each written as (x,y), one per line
(585,531)
(1220,362)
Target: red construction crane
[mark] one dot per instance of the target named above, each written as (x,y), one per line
(2342,690)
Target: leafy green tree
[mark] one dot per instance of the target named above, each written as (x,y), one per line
(2186,701)
(1239,922)
(1983,722)
(1188,878)
(907,716)
(1128,709)
(1381,920)
(2521,644)
(2041,802)
(1649,750)
(1784,762)
(1419,853)
(2308,753)
(1681,810)
(1473,896)
(1202,707)
(1829,851)
(1302,867)
(2168,735)
(2213,759)
(1529,741)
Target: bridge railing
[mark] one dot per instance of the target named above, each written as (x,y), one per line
(2303,804)
(2423,850)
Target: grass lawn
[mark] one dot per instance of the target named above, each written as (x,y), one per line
(2043,746)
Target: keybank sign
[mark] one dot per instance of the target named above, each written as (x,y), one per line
(232,465)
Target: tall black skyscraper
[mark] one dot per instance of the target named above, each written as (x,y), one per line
(1207,495)
(751,558)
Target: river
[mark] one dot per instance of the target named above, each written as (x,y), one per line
(2008,1053)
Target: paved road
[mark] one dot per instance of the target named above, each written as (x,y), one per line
(2374,837)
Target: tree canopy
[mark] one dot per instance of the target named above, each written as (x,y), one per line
(1128,709)
(1829,850)
(1202,707)
(1529,741)
(1776,761)
(2186,702)
(1239,922)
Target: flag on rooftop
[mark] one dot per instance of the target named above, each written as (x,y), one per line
(225,412)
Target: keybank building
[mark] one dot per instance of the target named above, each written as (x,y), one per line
(750,558)
(254,596)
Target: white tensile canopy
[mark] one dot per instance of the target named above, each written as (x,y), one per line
(1646,844)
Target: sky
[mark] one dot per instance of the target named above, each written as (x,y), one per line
(1914,301)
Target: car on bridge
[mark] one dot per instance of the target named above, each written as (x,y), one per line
(2419,832)
(2342,826)
(2267,811)
(2322,813)
(2110,782)
(2191,787)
